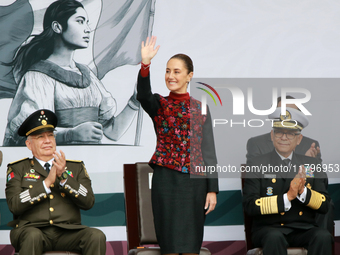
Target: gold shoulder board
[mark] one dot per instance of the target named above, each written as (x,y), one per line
(14,162)
(77,161)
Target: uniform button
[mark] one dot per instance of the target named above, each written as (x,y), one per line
(31,186)
(282,213)
(51,196)
(76,195)
(65,187)
(45,196)
(300,213)
(38,199)
(282,224)
(51,209)
(273,180)
(52,185)
(62,194)
(16,225)
(32,203)
(71,191)
(51,221)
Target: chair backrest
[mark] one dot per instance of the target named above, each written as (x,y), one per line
(139,216)
(146,225)
(248,221)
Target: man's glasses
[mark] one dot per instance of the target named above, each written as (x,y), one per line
(289,135)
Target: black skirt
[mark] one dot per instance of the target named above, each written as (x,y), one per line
(178,201)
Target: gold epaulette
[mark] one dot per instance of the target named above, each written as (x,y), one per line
(14,162)
(76,161)
(268,205)
(316,200)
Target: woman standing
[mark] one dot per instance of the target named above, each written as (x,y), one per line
(49,78)
(179,201)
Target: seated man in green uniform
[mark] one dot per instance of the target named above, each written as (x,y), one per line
(284,190)
(45,195)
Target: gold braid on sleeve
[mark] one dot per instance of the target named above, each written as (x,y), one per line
(316,200)
(268,205)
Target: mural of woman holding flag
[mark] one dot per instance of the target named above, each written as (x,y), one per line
(49,78)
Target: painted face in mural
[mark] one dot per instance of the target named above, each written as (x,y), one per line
(177,76)
(77,34)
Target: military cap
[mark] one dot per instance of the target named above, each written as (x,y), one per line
(293,119)
(38,122)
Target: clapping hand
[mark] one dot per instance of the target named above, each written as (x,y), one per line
(297,185)
(57,168)
(59,162)
(312,151)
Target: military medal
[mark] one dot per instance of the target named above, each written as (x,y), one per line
(69,173)
(31,177)
(269,191)
(309,172)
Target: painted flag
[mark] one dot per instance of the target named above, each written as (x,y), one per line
(122,26)
(16,24)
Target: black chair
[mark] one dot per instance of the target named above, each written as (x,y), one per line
(251,250)
(139,216)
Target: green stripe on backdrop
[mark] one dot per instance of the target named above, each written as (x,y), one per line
(109,209)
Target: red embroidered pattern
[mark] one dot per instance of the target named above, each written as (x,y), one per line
(174,136)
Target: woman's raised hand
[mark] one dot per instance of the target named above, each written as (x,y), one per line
(148,50)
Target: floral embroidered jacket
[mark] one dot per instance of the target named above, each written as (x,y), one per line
(178,147)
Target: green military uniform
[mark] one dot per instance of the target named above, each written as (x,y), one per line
(31,206)
(28,201)
(48,218)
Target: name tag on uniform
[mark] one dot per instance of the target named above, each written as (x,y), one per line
(270,176)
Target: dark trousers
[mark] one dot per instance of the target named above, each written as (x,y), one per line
(35,241)
(276,241)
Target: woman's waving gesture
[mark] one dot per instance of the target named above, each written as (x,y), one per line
(148,50)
